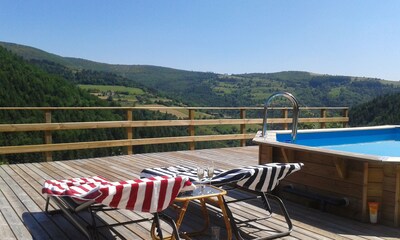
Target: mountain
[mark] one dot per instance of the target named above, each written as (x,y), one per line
(381,110)
(169,82)
(212,89)
(148,72)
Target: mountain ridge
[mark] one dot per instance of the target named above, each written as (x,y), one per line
(28,52)
(212,89)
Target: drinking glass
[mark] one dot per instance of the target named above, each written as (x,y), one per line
(200,172)
(210,170)
(200,175)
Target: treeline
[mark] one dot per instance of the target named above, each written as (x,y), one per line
(190,88)
(320,90)
(253,89)
(380,111)
(84,76)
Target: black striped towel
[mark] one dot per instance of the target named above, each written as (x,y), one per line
(261,178)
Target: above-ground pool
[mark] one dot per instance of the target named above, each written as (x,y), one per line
(356,164)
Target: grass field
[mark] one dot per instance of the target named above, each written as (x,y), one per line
(105,88)
(129,98)
(126,96)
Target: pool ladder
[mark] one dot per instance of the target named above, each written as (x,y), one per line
(295,117)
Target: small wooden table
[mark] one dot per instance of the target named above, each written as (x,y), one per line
(203,193)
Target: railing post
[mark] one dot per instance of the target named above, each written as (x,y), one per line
(285,113)
(48,138)
(191,128)
(243,127)
(323,115)
(346,114)
(129,131)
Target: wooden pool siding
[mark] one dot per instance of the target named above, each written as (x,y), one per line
(342,177)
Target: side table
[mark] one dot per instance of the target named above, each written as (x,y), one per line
(202,193)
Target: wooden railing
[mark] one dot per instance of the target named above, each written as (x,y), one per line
(129,124)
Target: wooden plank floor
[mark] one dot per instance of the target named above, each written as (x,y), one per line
(22,204)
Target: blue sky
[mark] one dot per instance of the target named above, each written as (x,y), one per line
(341,37)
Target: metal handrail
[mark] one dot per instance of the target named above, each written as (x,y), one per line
(295,118)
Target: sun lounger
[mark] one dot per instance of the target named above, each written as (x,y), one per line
(151,195)
(260,180)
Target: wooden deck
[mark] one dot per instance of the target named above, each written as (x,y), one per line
(22,204)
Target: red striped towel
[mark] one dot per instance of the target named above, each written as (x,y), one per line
(152,194)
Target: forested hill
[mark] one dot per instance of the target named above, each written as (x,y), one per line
(212,89)
(23,85)
(150,75)
(380,111)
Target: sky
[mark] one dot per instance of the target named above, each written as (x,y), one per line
(339,37)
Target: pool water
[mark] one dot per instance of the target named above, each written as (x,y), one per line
(381,148)
(375,141)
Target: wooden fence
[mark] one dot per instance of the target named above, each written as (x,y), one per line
(47,127)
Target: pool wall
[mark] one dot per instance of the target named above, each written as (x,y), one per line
(337,175)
